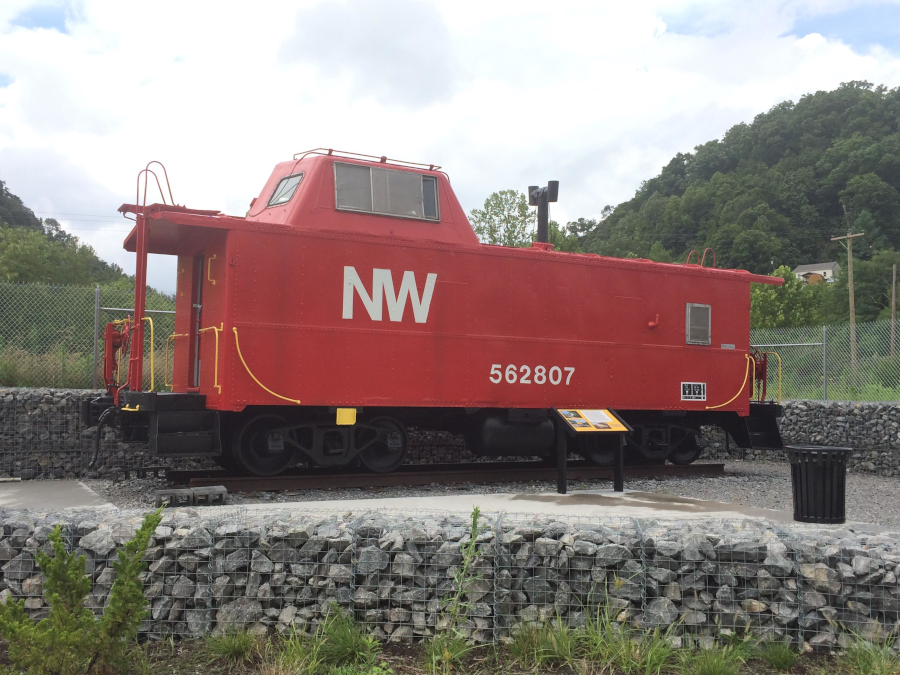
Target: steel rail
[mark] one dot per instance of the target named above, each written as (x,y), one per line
(419,474)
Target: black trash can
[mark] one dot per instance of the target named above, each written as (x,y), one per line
(819,477)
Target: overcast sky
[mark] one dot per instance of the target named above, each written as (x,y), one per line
(597,95)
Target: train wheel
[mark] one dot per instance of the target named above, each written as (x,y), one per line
(387,453)
(687,451)
(599,449)
(257,452)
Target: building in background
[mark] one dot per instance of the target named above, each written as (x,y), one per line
(818,273)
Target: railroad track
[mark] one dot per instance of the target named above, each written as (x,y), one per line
(428,474)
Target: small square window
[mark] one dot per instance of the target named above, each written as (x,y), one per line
(285,189)
(698,324)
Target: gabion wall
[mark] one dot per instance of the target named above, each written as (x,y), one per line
(41,437)
(400,574)
(871,429)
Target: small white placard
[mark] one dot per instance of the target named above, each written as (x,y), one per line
(693,391)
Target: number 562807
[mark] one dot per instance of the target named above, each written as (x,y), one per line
(513,374)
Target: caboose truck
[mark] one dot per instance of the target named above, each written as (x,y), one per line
(354,301)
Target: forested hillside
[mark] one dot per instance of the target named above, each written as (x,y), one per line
(772,192)
(36,250)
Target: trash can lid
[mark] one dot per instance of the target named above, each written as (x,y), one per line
(817,448)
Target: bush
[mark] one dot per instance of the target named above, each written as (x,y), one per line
(71,640)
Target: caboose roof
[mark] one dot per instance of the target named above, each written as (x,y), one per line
(312,210)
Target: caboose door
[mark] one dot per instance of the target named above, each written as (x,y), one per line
(196,319)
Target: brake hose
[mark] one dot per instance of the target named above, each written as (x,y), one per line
(109,412)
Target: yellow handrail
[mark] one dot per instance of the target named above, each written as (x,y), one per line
(776,355)
(152,344)
(166,373)
(215,330)
(743,384)
(209,270)
(237,344)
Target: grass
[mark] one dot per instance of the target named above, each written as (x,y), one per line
(866,658)
(724,658)
(235,647)
(780,655)
(629,651)
(343,643)
(445,652)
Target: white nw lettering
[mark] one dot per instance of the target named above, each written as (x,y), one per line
(383,289)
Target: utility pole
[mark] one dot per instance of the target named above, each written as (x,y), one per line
(849,246)
(894,310)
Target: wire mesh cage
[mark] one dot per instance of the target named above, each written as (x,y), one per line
(482,577)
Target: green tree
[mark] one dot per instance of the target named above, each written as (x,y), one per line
(28,255)
(564,240)
(41,251)
(658,253)
(793,304)
(71,641)
(14,213)
(505,220)
(872,289)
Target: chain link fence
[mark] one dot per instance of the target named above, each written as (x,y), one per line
(817,364)
(51,336)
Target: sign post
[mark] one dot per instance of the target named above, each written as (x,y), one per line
(573,422)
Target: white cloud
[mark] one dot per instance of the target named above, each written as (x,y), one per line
(395,51)
(503,94)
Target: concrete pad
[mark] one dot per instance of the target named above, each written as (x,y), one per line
(50,495)
(592,504)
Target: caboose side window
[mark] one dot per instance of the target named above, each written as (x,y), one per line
(395,193)
(285,189)
(698,324)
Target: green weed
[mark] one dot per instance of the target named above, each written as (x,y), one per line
(530,646)
(444,652)
(342,642)
(779,655)
(374,669)
(298,654)
(719,660)
(866,658)
(236,647)
(634,653)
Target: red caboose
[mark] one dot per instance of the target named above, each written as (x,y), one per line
(354,300)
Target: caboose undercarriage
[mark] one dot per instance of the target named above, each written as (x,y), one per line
(266,440)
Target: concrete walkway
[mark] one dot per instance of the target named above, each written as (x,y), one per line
(50,495)
(593,504)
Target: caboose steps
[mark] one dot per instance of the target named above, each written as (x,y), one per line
(178,425)
(762,426)
(185,433)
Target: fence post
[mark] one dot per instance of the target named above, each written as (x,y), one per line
(96,334)
(824,364)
